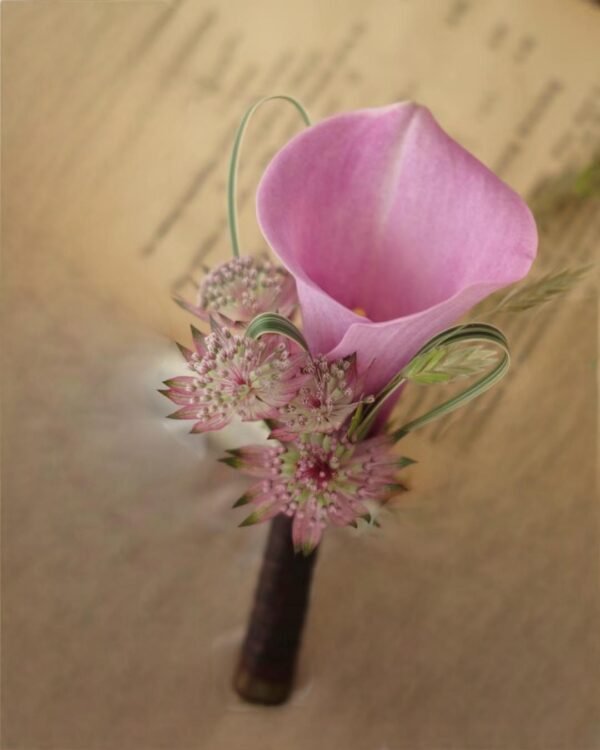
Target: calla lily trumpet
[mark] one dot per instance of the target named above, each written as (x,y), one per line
(392,231)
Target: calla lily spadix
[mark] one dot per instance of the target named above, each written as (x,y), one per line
(392,231)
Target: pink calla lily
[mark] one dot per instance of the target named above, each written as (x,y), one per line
(380,212)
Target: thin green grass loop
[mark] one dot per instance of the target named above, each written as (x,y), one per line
(459,334)
(488,334)
(233,164)
(274,323)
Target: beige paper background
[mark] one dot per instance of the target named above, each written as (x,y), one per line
(471,620)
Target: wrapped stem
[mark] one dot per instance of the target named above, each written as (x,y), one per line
(267,664)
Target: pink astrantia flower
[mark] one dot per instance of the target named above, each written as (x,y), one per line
(319,480)
(234,375)
(379,210)
(242,288)
(331,393)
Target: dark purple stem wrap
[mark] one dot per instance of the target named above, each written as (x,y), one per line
(267,664)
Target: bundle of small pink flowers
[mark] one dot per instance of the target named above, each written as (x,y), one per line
(313,471)
(388,232)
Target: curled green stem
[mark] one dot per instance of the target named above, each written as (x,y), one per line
(233,164)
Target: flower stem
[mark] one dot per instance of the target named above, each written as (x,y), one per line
(267,664)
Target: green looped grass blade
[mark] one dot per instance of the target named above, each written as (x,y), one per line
(481,333)
(233,163)
(274,323)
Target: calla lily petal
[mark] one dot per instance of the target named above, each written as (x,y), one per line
(380,212)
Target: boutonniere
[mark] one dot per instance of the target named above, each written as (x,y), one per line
(387,233)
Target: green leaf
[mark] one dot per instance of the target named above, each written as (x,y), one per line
(274,323)
(233,162)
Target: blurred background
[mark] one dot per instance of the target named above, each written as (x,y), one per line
(471,619)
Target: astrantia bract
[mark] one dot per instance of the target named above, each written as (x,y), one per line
(234,375)
(319,480)
(331,393)
(242,288)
